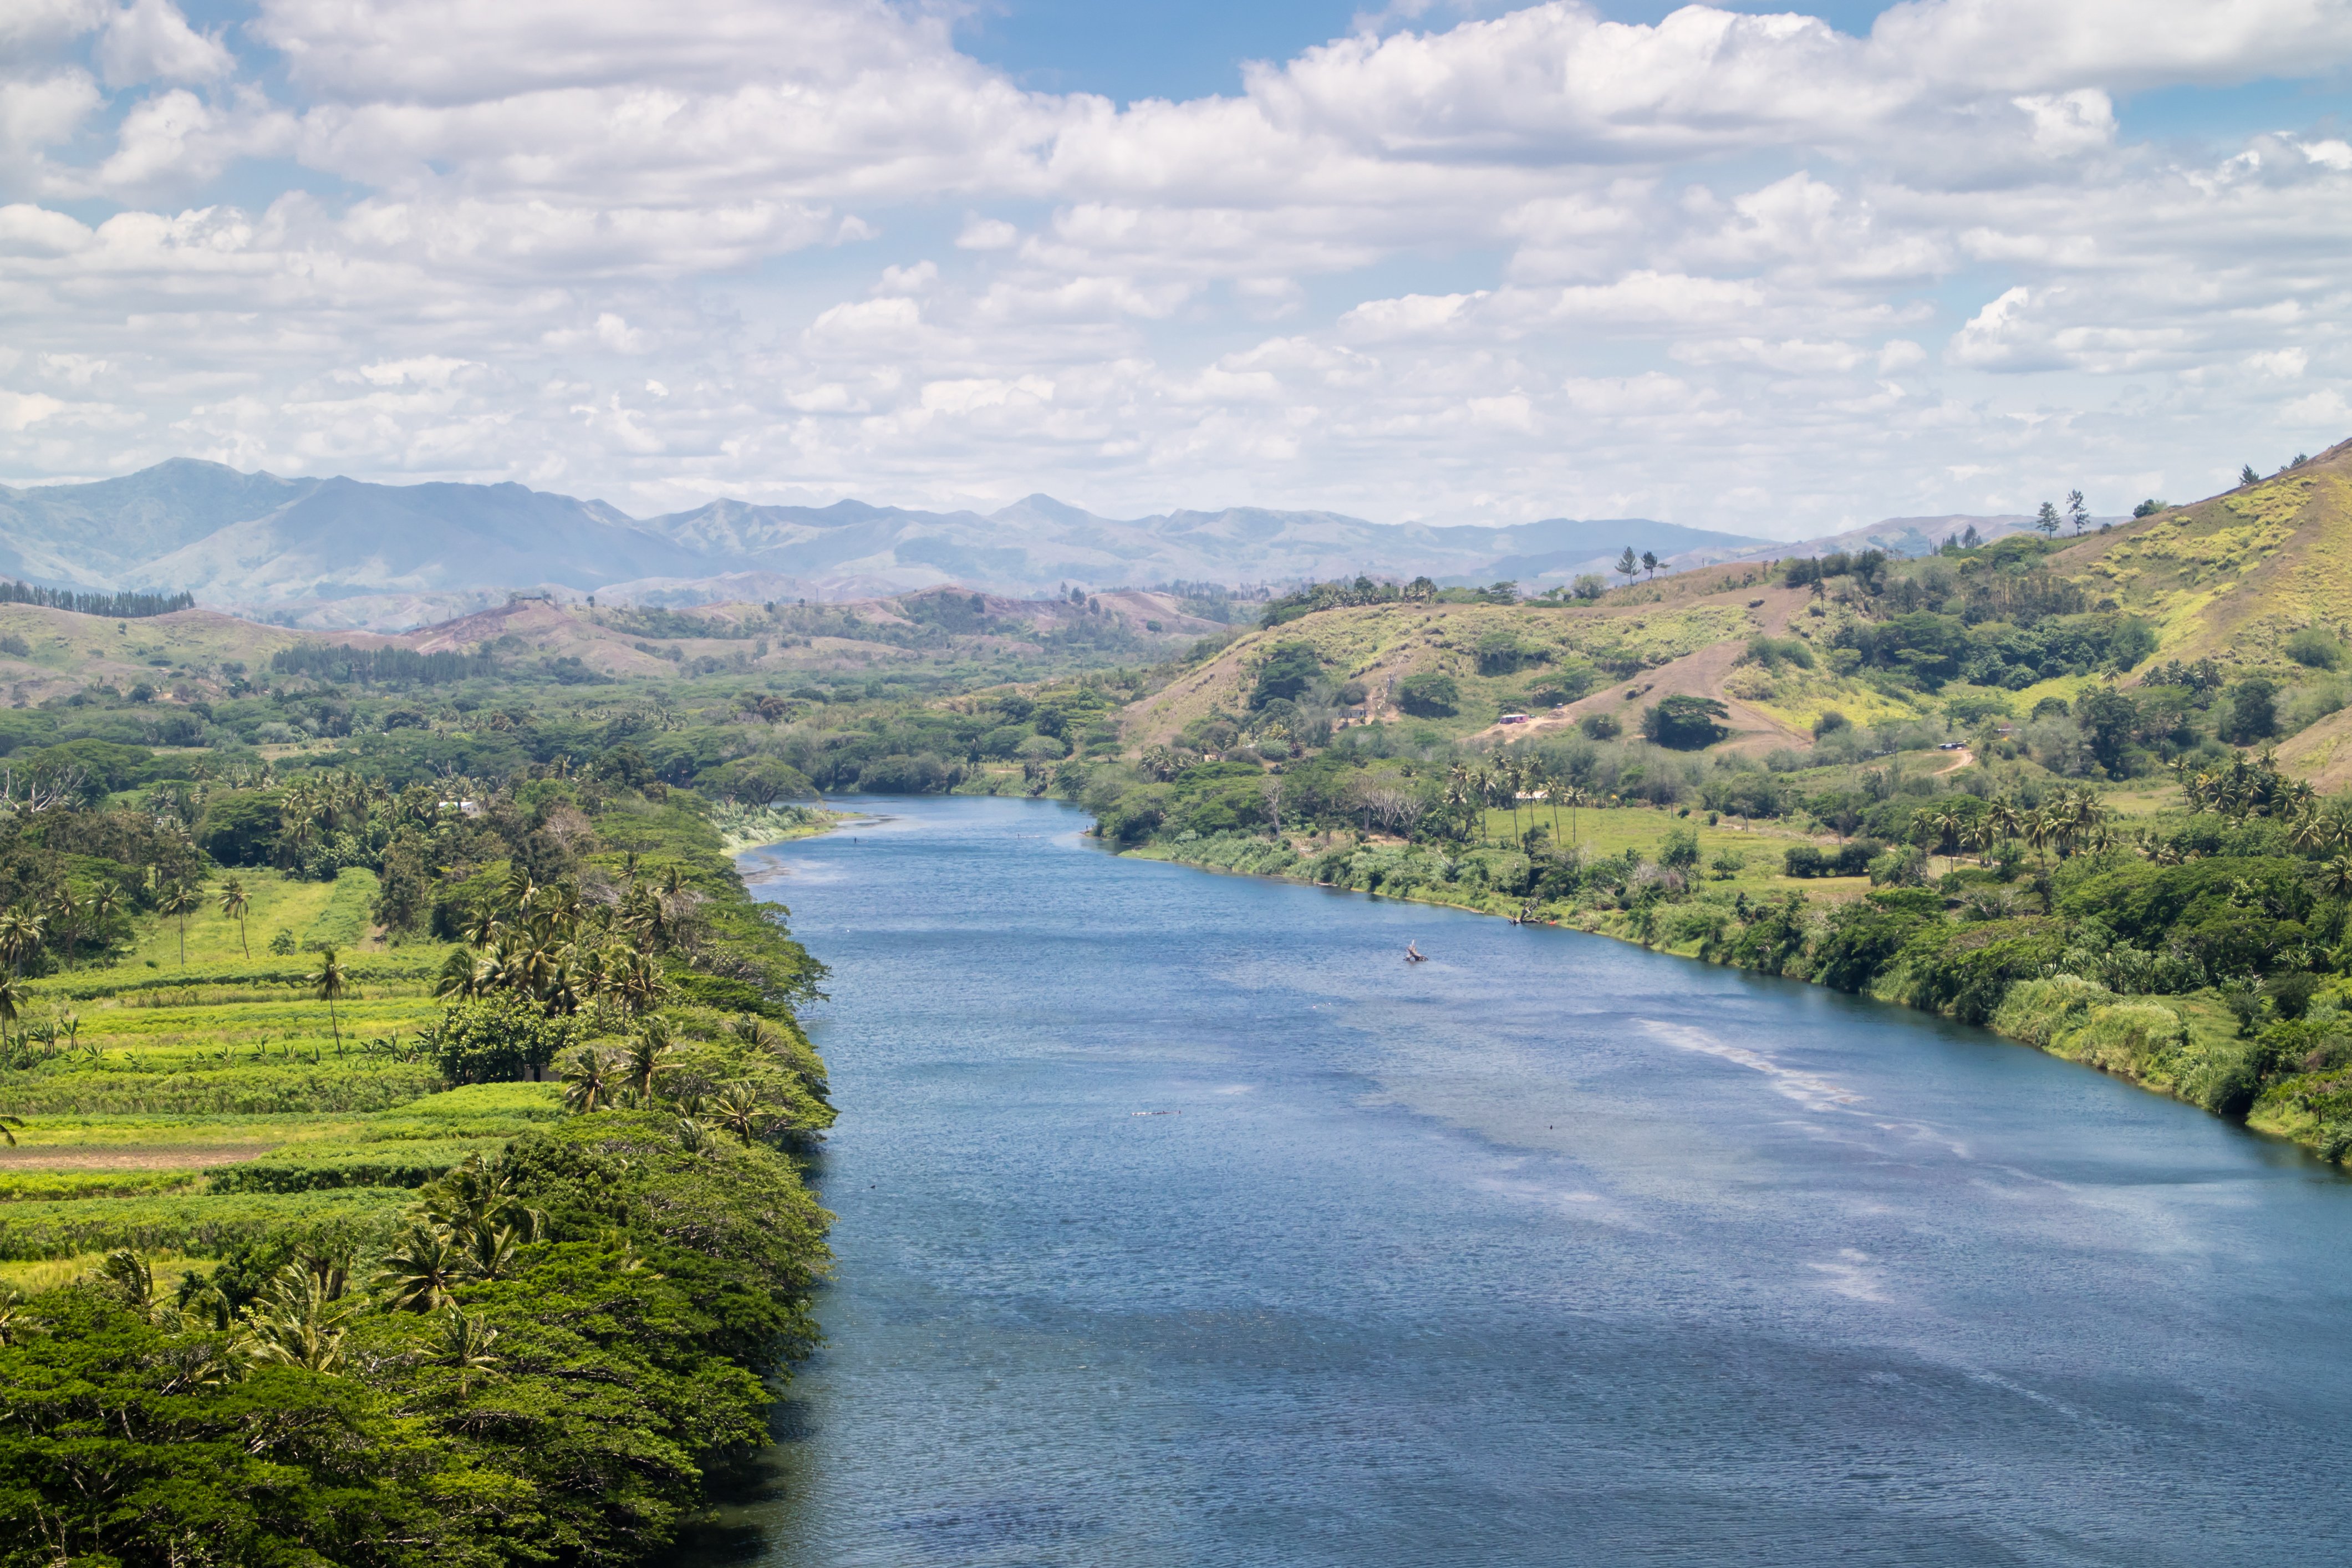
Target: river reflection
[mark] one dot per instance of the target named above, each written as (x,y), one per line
(1181,1222)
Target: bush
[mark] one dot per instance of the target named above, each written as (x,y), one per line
(1600,726)
(1289,668)
(2128,1036)
(1967,971)
(1686,723)
(2253,712)
(239,827)
(1864,938)
(496,1039)
(1429,695)
(408,1162)
(2316,647)
(1679,851)
(2038,1011)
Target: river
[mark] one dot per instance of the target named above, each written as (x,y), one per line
(1182,1223)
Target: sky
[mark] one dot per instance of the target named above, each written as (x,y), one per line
(1767,271)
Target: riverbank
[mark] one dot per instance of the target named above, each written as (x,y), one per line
(749,828)
(2187,1047)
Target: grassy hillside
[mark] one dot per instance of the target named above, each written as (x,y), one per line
(2233,577)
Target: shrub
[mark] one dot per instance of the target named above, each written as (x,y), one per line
(1429,695)
(409,1162)
(493,1040)
(2253,712)
(1773,652)
(1686,723)
(2316,647)
(1600,726)
(2128,1036)
(1862,939)
(2038,1011)
(1967,971)
(1289,668)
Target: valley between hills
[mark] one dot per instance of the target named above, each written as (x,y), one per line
(386,1012)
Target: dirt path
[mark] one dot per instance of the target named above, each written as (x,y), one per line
(150,1157)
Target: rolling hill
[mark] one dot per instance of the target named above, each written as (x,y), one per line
(341,553)
(2231,578)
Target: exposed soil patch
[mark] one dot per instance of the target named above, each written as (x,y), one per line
(133,1157)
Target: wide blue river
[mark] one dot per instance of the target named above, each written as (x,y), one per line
(1182,1223)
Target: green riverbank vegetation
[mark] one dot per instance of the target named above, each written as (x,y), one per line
(402,1165)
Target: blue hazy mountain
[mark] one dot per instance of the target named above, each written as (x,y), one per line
(257,542)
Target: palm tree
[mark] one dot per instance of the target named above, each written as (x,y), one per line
(233,905)
(331,985)
(7,1122)
(297,1322)
(491,1251)
(104,905)
(12,997)
(68,911)
(738,1110)
(649,1054)
(2038,827)
(20,936)
(421,1271)
(2337,876)
(461,975)
(591,1077)
(178,900)
(466,1343)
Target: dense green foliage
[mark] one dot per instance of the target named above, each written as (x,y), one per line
(553,1385)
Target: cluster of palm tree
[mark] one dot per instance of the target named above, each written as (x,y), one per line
(1507,780)
(471,1228)
(473,1224)
(43,1040)
(646,1074)
(2069,820)
(564,953)
(2246,788)
(1161,762)
(60,921)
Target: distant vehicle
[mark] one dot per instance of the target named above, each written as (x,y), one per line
(1512,718)
(1949,746)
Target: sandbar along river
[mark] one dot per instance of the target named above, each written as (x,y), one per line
(1182,1223)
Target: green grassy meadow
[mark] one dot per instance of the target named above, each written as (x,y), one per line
(184,1108)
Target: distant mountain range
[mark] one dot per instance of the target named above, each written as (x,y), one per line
(341,552)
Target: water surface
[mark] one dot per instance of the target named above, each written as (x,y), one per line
(1182,1223)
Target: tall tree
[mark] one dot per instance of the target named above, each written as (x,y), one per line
(1627,564)
(233,905)
(2046,519)
(2076,512)
(331,985)
(178,900)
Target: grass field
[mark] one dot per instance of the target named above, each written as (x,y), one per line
(188,1107)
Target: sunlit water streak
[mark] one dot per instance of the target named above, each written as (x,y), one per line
(1547,1251)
